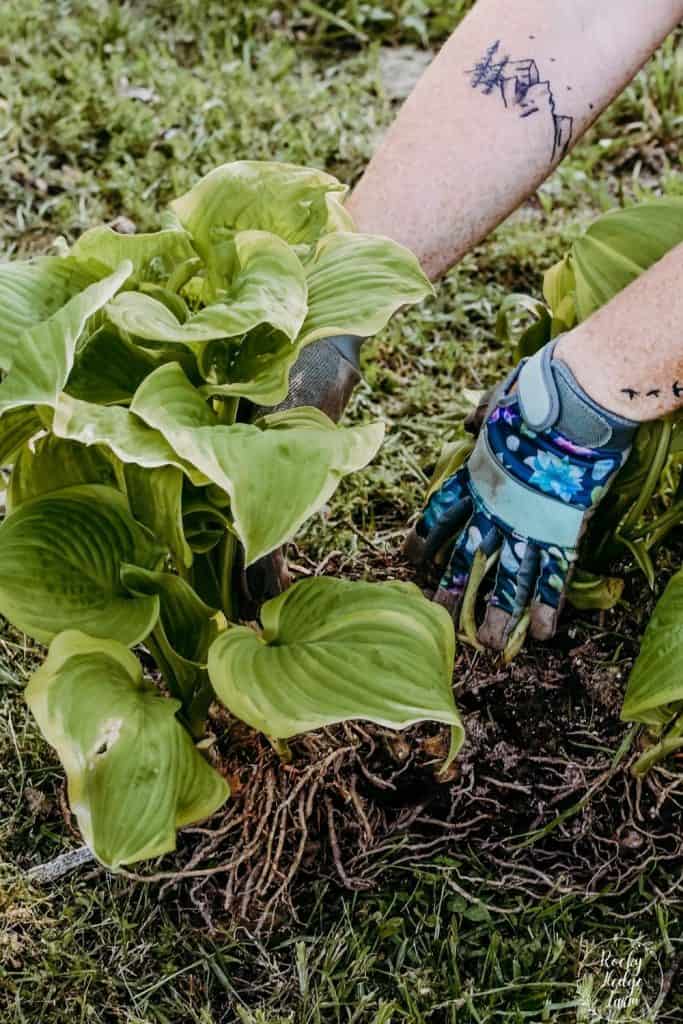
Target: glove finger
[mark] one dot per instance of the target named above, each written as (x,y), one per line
(446,512)
(556,565)
(517,573)
(480,534)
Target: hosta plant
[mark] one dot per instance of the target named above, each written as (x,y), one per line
(645,502)
(139,488)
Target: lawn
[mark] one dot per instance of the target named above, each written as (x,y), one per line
(492,896)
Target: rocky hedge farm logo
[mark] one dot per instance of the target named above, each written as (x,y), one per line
(620,981)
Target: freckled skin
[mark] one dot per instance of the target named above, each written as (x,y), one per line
(458,160)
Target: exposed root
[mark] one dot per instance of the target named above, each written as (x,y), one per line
(541,803)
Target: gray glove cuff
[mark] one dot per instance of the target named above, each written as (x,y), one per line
(550,396)
(348,345)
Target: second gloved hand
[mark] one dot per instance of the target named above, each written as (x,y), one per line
(545,457)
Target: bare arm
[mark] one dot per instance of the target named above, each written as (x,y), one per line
(629,354)
(510,92)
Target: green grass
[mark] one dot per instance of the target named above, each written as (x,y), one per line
(103,950)
(109,110)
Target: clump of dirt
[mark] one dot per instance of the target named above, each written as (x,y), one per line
(542,793)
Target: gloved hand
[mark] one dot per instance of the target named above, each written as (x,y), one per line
(323,376)
(545,457)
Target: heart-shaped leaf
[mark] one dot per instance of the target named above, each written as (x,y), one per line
(44,354)
(60,564)
(333,650)
(266,285)
(33,291)
(357,282)
(133,774)
(655,686)
(291,471)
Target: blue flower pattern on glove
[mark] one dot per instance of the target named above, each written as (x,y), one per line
(548,461)
(555,475)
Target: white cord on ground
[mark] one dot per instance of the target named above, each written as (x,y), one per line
(61,865)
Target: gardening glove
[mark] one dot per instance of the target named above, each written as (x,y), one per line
(323,376)
(545,457)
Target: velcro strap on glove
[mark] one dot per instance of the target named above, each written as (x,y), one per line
(550,396)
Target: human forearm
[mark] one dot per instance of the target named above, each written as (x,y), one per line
(513,88)
(629,354)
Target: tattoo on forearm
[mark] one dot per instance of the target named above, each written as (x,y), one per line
(519,84)
(676,389)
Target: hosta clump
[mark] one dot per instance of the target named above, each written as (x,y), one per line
(139,488)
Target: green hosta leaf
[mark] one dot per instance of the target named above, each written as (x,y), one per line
(171,300)
(357,282)
(181,640)
(559,285)
(119,430)
(619,246)
(51,464)
(60,563)
(31,292)
(44,356)
(453,455)
(655,686)
(108,368)
(535,336)
(189,623)
(516,302)
(267,285)
(204,523)
(16,428)
(133,774)
(291,471)
(332,650)
(155,499)
(298,204)
(257,369)
(153,256)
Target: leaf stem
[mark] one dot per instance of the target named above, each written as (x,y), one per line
(671,742)
(517,637)
(182,273)
(227,554)
(651,480)
(281,748)
(226,408)
(468,626)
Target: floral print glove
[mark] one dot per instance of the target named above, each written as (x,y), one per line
(545,457)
